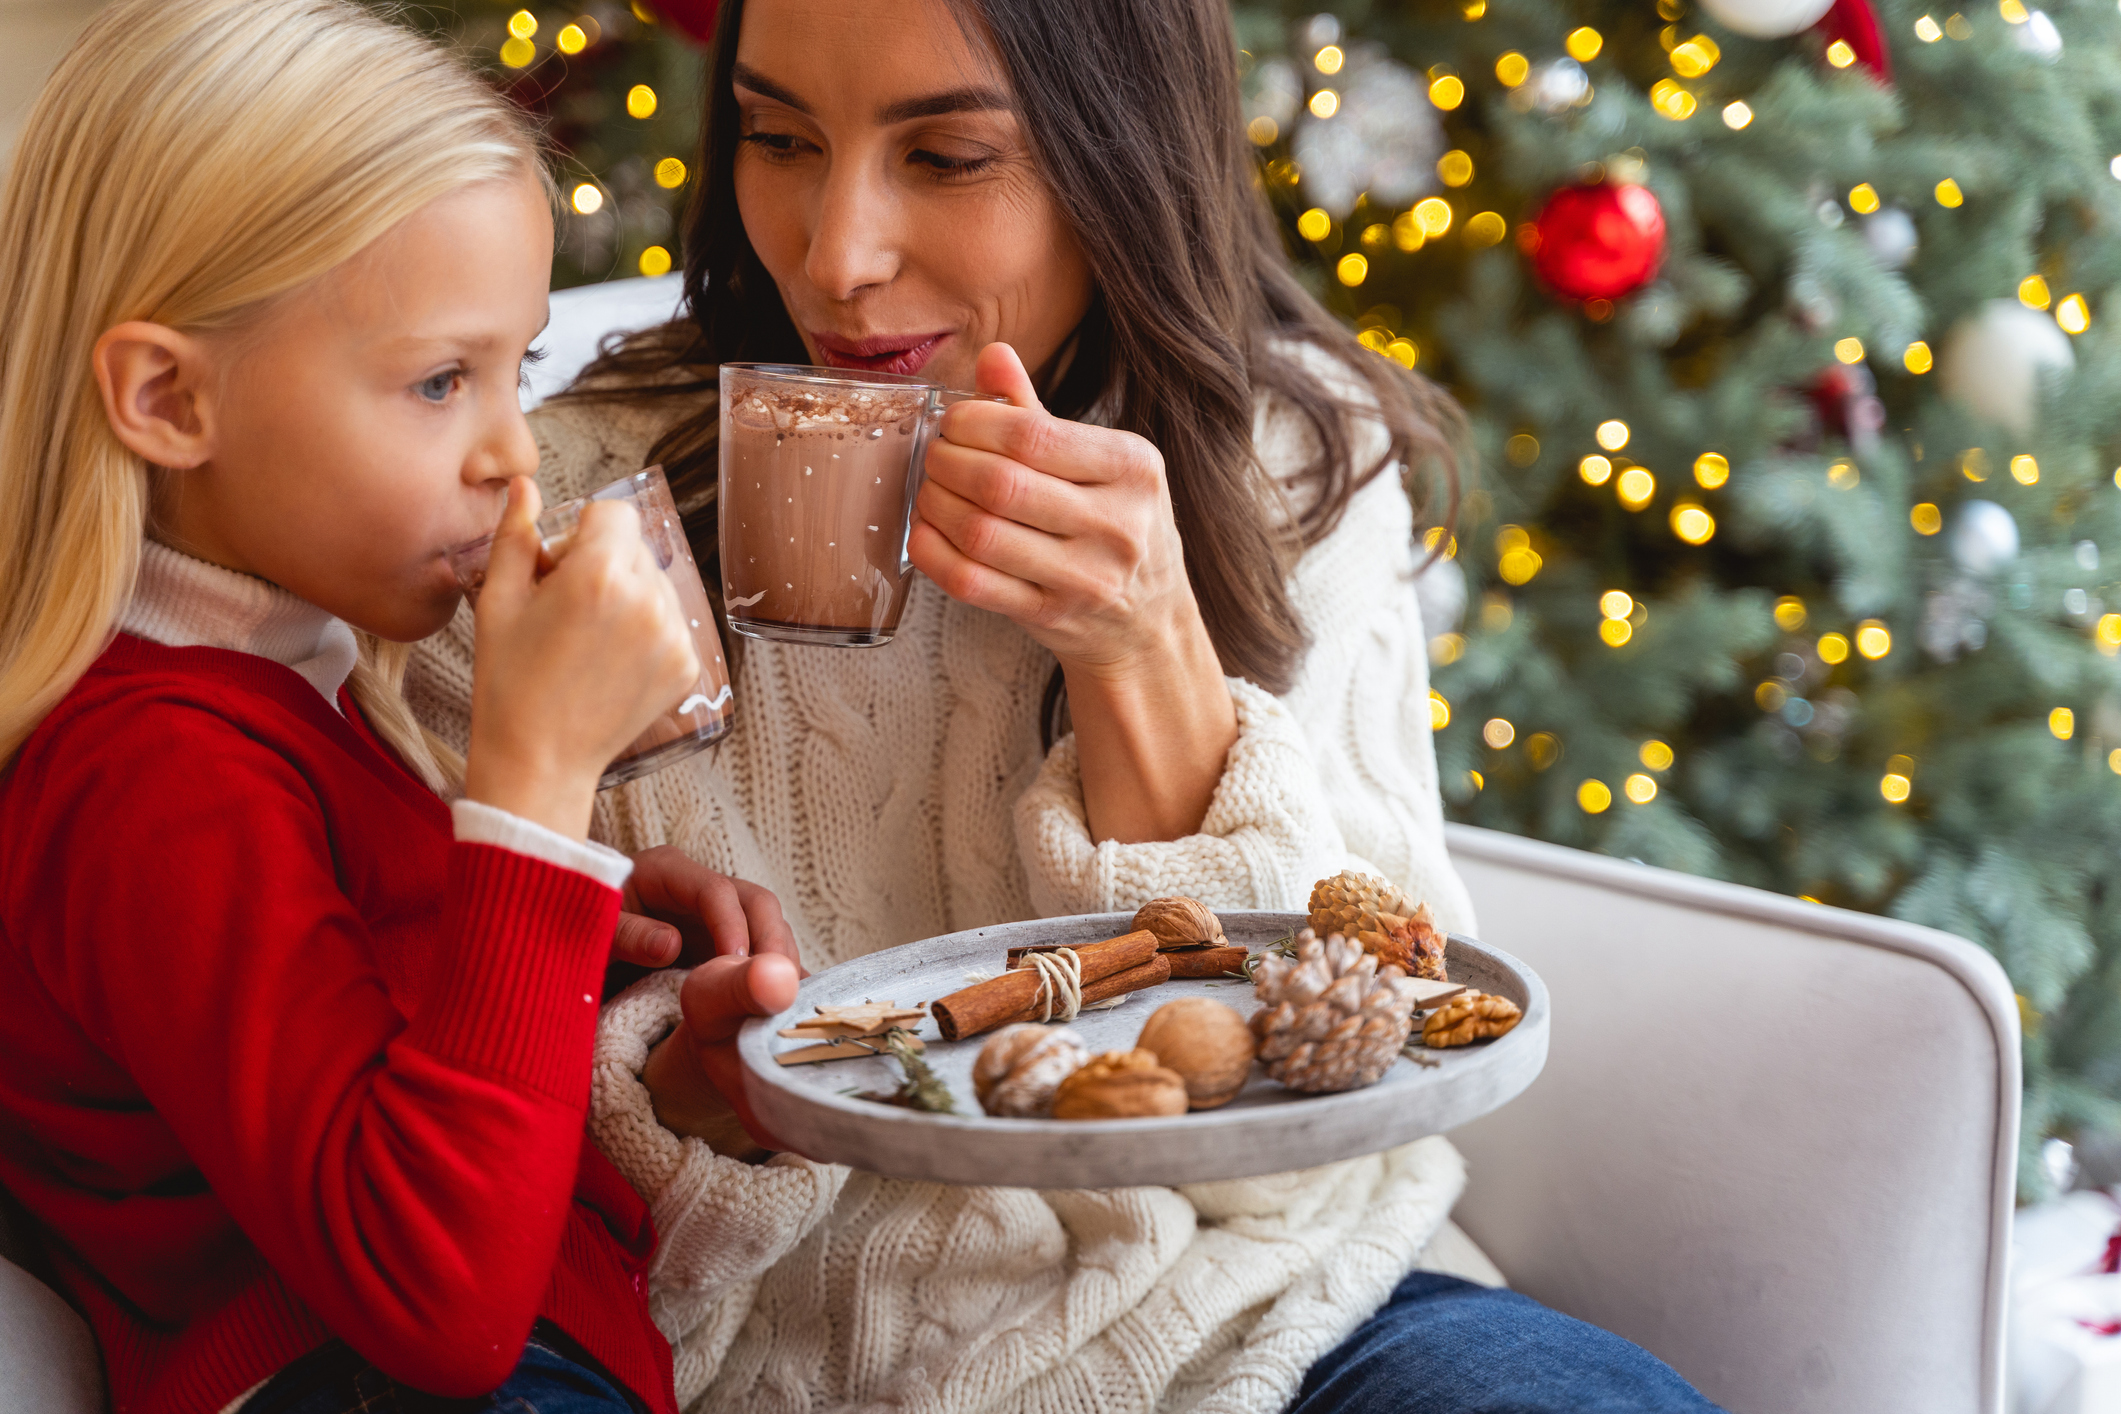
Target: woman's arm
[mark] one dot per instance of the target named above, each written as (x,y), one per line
(1067,529)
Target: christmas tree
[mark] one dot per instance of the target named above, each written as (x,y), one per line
(1792,548)
(1787,338)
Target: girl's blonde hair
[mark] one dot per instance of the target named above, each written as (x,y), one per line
(189,161)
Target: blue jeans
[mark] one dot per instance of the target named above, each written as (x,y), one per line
(1445,1346)
(555,1376)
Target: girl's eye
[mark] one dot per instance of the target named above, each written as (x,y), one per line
(438,388)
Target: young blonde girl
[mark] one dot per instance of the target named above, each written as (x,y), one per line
(298,1054)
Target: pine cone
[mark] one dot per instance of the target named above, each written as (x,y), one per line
(1379,915)
(1333,1019)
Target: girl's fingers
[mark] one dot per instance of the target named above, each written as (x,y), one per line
(766,924)
(720,994)
(970,582)
(512,567)
(645,942)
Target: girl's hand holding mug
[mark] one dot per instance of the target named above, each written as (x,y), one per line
(569,667)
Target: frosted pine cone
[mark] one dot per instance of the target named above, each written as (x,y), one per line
(1333,1019)
(1378,914)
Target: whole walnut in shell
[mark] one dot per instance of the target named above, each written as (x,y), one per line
(1178,923)
(1120,1085)
(1207,1043)
(1021,1066)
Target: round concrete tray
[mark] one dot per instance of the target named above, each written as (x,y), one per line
(1267,1129)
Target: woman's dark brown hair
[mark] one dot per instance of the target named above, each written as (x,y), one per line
(1131,111)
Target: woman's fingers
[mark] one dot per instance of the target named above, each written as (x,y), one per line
(968,581)
(1000,373)
(1010,489)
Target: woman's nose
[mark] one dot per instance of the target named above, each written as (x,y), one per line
(853,243)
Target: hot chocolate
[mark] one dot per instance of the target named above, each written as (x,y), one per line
(816,492)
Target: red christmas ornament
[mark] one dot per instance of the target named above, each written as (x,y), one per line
(694,17)
(1598,241)
(1845,400)
(1855,24)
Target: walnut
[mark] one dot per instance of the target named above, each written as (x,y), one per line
(1207,1043)
(1020,1067)
(1120,1085)
(1178,923)
(1470,1017)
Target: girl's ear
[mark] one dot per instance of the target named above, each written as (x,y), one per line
(157,387)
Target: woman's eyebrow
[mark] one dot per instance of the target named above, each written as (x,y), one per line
(747,77)
(931,105)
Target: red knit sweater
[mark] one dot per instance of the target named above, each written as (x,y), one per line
(284,1061)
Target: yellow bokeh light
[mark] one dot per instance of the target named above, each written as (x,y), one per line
(1512,68)
(1656,755)
(1596,471)
(1957,27)
(640,101)
(1325,103)
(1948,193)
(1849,350)
(1928,30)
(670,174)
(1974,463)
(1737,114)
(1498,732)
(1352,269)
(1863,198)
(2013,11)
(1263,130)
(1636,487)
(2025,470)
(1612,434)
(2063,723)
(2108,632)
(1671,100)
(1616,603)
(655,261)
(1407,233)
(587,199)
(1433,215)
(1329,59)
(1839,54)
(1436,535)
(1486,228)
(1711,470)
(1474,778)
(1917,357)
(1455,168)
(1789,613)
(522,24)
(1640,788)
(1376,235)
(1695,57)
(1518,566)
(1315,224)
(2073,314)
(2032,292)
(1447,648)
(1522,449)
(1895,787)
(1833,648)
(1693,524)
(1439,711)
(572,39)
(1926,518)
(1770,696)
(517,53)
(1403,352)
(1615,632)
(1594,797)
(1447,92)
(1473,9)
(1873,639)
(1843,476)
(1583,44)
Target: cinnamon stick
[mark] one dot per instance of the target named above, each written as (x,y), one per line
(1016,954)
(1013,996)
(1207,962)
(1156,970)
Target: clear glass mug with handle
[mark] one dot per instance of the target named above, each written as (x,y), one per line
(707,712)
(819,469)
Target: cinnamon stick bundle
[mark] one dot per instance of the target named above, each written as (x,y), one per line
(1013,996)
(1206,962)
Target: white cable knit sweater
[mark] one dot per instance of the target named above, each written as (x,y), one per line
(897,793)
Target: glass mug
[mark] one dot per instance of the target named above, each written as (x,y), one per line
(819,468)
(708,709)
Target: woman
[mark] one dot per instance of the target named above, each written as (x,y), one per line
(1186,552)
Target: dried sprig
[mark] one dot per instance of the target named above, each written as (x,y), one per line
(922,1089)
(1283,946)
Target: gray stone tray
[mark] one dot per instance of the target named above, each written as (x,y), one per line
(1266,1129)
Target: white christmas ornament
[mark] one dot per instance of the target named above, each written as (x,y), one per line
(1384,139)
(1273,91)
(1767,19)
(2039,37)
(1553,88)
(1993,360)
(1890,233)
(1984,538)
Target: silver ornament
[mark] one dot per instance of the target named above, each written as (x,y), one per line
(1984,538)
(1995,359)
(2039,37)
(1767,19)
(1890,233)
(1384,139)
(1553,88)
(1440,590)
(1274,92)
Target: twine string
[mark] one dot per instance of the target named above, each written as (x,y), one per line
(1060,983)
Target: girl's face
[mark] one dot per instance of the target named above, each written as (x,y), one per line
(370,420)
(885,185)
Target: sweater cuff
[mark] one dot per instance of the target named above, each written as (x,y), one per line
(1267,836)
(516,997)
(479,823)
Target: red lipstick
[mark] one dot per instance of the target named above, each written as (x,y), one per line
(886,353)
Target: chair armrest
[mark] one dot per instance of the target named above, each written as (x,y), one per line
(1774,1143)
(48,1360)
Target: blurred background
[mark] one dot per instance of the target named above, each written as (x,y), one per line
(1790,548)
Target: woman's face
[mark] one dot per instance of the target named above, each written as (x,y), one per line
(886,186)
